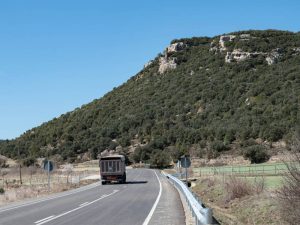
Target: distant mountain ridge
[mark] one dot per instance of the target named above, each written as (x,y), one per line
(198,92)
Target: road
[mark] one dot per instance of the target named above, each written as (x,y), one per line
(147,198)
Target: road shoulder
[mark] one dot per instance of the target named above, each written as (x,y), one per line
(169,210)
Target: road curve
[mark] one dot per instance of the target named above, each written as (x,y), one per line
(146,199)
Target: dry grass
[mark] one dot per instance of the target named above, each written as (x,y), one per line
(35,183)
(25,192)
(244,202)
(239,187)
(289,194)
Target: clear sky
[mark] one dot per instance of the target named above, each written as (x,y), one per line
(56,55)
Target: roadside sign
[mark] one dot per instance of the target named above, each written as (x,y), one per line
(185,162)
(48,166)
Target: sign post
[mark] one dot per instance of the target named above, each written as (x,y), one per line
(185,163)
(48,166)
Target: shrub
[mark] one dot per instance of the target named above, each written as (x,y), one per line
(237,188)
(218,146)
(248,142)
(2,191)
(274,133)
(289,194)
(256,154)
(30,161)
(3,163)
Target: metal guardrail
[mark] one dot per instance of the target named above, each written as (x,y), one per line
(202,215)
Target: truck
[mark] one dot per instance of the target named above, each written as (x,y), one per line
(112,168)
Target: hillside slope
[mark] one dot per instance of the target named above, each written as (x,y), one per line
(198,91)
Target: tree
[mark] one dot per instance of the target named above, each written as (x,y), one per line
(29,161)
(160,159)
(256,154)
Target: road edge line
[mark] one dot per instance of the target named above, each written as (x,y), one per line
(147,220)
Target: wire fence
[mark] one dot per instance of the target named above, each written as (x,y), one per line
(40,177)
(248,170)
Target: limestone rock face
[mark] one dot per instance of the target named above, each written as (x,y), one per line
(220,46)
(179,46)
(296,51)
(245,36)
(166,63)
(224,39)
(238,55)
(273,57)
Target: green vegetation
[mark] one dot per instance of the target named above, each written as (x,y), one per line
(256,154)
(204,102)
(271,182)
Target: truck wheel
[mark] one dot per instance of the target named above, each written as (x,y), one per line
(103,182)
(124,179)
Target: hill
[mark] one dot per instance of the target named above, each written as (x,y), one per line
(201,92)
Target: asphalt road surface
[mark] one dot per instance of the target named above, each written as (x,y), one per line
(146,198)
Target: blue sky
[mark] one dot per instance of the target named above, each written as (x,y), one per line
(56,55)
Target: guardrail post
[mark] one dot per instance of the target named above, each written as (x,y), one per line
(208,215)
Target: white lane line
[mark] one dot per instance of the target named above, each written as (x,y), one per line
(147,220)
(50,198)
(80,207)
(84,204)
(39,221)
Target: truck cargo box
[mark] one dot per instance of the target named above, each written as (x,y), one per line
(112,168)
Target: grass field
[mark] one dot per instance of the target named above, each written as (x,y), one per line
(272,173)
(271,182)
